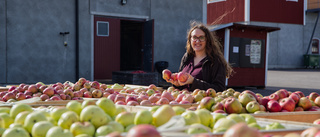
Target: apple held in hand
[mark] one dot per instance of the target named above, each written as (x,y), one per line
(182,77)
(166,74)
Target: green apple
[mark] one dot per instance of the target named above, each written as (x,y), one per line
(17,108)
(125,118)
(107,105)
(129,127)
(198,98)
(252,106)
(197,128)
(33,118)
(236,117)
(78,128)
(104,130)
(206,103)
(254,125)
(116,126)
(87,103)
(83,135)
(178,110)
(15,125)
(95,115)
(162,115)
(245,98)
(154,109)
(143,117)
(67,118)
(57,131)
(41,128)
(5,120)
(224,123)
(1,131)
(205,116)
(249,118)
(217,116)
(57,112)
(119,109)
(21,117)
(50,119)
(15,132)
(191,117)
(275,125)
(75,106)
(5,110)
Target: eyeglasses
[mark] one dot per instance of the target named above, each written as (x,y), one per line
(201,38)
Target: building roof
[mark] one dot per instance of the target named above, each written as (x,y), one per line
(243,26)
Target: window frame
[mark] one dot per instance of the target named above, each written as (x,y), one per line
(106,22)
(214,1)
(317,46)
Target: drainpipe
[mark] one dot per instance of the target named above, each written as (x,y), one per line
(77,38)
(315,25)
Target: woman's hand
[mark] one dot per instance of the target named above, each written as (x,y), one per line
(175,81)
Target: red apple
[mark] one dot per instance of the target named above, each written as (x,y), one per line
(131,98)
(145,102)
(132,103)
(174,76)
(184,102)
(264,101)
(300,93)
(298,109)
(154,99)
(166,74)
(173,102)
(295,97)
(21,96)
(179,97)
(188,97)
(44,97)
(97,93)
(120,103)
(112,97)
(87,94)
(287,104)
(211,92)
(33,88)
(62,96)
(55,98)
(313,96)
(305,103)
(167,95)
(274,106)
(95,84)
(68,92)
(49,91)
(162,101)
(274,96)
(232,105)
(217,106)
(8,96)
(120,97)
(182,77)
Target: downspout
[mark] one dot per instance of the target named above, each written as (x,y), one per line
(77,38)
(314,28)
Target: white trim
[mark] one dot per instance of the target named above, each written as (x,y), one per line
(267,55)
(98,28)
(247,10)
(214,1)
(226,46)
(204,12)
(119,15)
(92,47)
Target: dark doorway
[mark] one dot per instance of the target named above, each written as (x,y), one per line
(131,57)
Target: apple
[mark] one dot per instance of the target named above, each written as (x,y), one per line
(120,97)
(287,104)
(232,105)
(95,115)
(211,92)
(162,101)
(206,103)
(274,125)
(248,118)
(145,103)
(305,103)
(274,96)
(33,118)
(253,106)
(15,132)
(78,128)
(245,97)
(166,74)
(217,106)
(120,103)
(20,118)
(87,94)
(251,92)
(188,97)
(5,120)
(56,112)
(242,130)
(125,118)
(205,117)
(131,98)
(150,92)
(87,85)
(48,91)
(95,84)
(57,131)
(223,124)
(107,106)
(143,117)
(104,130)
(313,96)
(274,106)
(264,101)
(182,77)
(197,129)
(67,118)
(190,117)
(143,130)
(236,117)
(33,88)
(117,127)
(179,97)
(68,92)
(282,93)
(174,76)
(8,96)
(17,108)
(167,95)
(97,93)
(162,115)
(41,128)
(295,97)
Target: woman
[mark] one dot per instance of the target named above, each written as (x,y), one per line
(203,61)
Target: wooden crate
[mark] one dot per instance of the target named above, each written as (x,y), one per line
(4,89)
(303,116)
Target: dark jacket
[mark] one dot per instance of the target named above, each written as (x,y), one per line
(213,74)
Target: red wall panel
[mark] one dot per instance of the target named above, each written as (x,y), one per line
(280,11)
(106,49)
(218,9)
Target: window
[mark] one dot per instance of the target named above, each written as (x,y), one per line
(315,46)
(102,28)
(292,0)
(213,1)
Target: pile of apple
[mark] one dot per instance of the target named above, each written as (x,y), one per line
(230,101)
